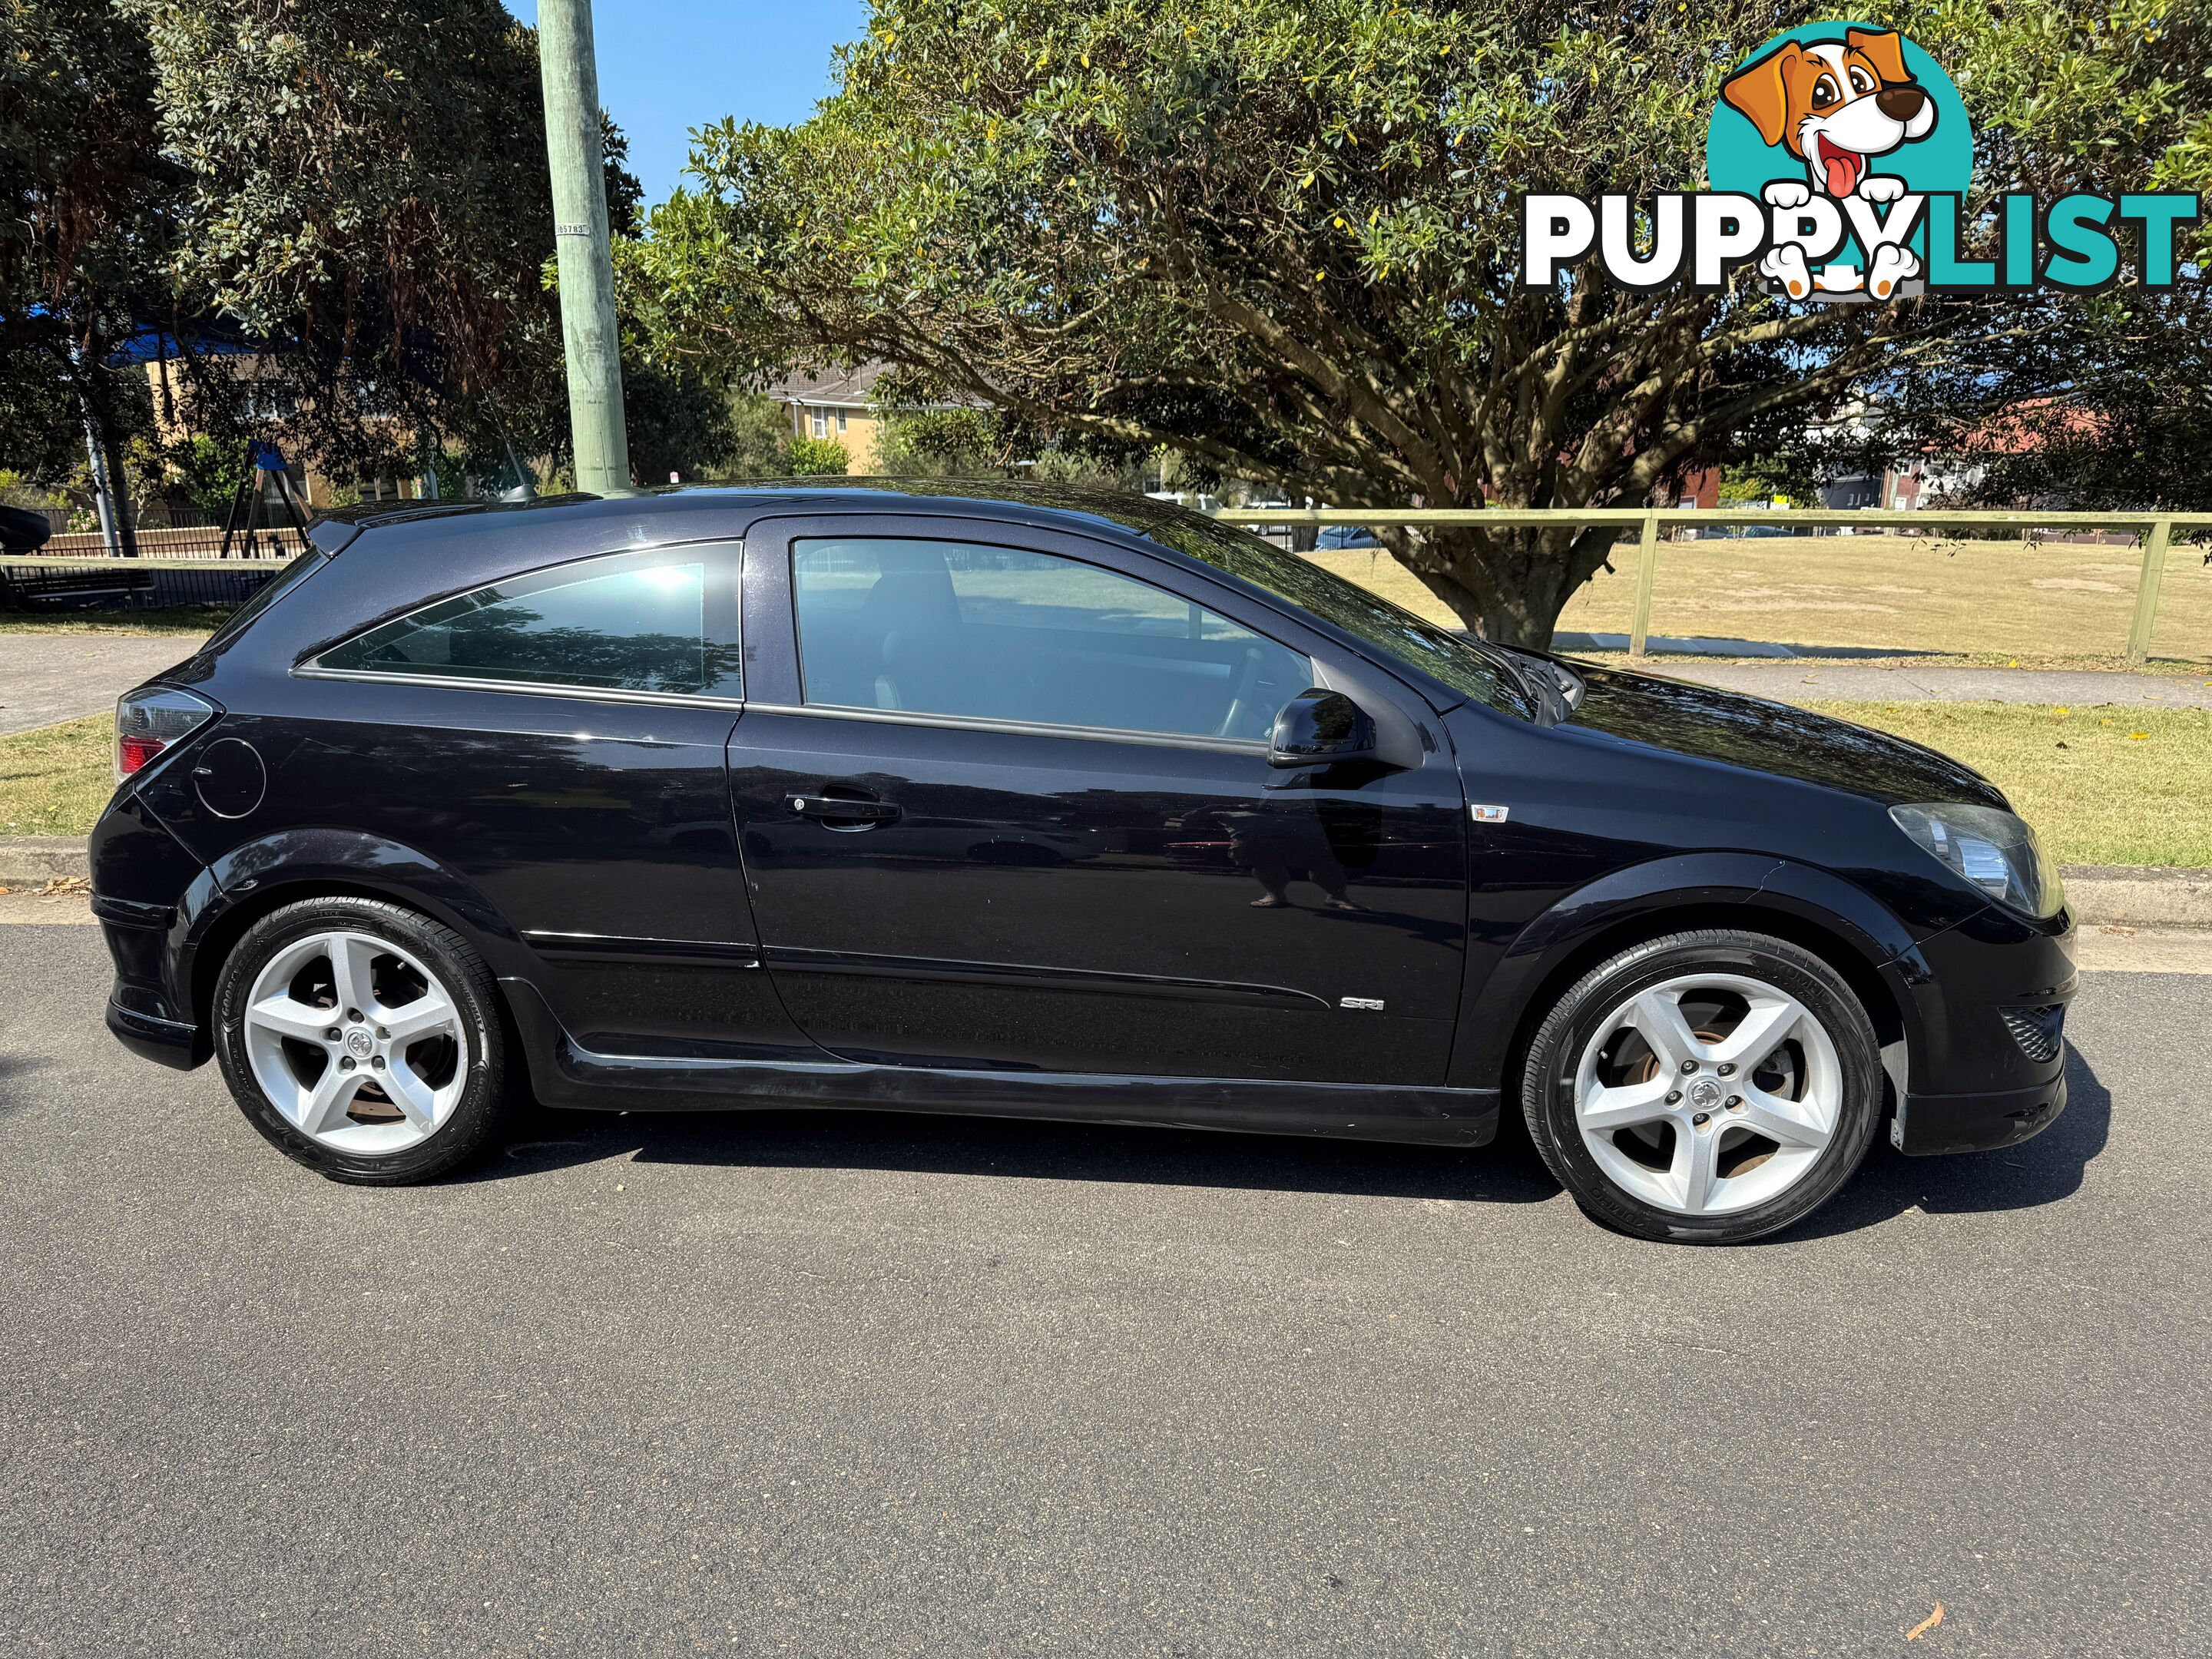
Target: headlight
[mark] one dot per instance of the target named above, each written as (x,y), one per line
(1993,850)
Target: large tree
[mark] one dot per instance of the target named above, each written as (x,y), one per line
(1281,239)
(367,198)
(85,234)
(2107,404)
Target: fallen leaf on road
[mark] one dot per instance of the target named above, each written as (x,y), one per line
(1925,1624)
(61,885)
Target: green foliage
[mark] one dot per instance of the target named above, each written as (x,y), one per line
(208,470)
(84,233)
(456,477)
(1280,241)
(943,443)
(625,195)
(678,422)
(20,489)
(1765,481)
(807,458)
(759,427)
(365,189)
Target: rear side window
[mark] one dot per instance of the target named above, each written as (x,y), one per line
(642,623)
(274,589)
(997,633)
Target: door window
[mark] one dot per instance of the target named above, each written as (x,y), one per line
(998,633)
(655,623)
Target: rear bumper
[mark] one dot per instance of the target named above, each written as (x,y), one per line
(141,875)
(165,1042)
(1928,1124)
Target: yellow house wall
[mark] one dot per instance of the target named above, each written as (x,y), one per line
(862,436)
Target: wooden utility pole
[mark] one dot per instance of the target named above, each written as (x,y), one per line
(586,256)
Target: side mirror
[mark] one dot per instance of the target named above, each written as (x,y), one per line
(1322,728)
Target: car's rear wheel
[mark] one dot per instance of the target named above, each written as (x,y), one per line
(363,1040)
(1706,1087)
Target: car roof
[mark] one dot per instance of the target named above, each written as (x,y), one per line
(1116,509)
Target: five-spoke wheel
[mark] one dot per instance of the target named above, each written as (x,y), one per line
(1704,1086)
(362,1038)
(1708,1093)
(355,1042)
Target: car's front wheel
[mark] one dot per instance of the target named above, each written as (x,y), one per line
(1706,1087)
(363,1039)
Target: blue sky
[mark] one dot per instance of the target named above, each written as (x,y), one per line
(666,66)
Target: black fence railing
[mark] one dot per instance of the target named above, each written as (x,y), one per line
(166,532)
(43,586)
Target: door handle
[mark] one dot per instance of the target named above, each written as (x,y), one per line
(851,812)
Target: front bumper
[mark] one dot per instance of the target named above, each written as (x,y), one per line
(1928,1124)
(1990,1069)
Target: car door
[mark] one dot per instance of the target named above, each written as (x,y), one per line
(558,738)
(1004,802)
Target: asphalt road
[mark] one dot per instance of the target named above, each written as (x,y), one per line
(880,1386)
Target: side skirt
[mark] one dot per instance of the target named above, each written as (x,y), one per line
(565,1073)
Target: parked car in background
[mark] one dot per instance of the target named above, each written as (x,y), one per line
(1028,802)
(23,531)
(1335,536)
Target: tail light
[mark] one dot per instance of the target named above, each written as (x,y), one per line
(148,721)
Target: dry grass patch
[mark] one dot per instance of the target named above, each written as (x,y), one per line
(2101,786)
(54,781)
(169,619)
(2035,601)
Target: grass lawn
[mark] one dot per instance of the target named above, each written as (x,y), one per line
(53,782)
(2040,602)
(2101,786)
(170,619)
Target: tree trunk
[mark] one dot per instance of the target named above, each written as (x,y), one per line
(118,485)
(1507,585)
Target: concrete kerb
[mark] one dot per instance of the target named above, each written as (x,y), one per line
(2103,896)
(32,861)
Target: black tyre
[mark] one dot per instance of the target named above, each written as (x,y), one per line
(363,1040)
(1705,1088)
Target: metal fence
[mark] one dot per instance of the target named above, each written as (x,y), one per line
(2154,532)
(41,584)
(163,532)
(65,578)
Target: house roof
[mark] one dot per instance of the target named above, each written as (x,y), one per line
(847,388)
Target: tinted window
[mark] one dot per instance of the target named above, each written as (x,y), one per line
(630,623)
(994,633)
(1470,667)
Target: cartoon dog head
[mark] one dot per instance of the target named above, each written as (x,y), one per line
(1834,105)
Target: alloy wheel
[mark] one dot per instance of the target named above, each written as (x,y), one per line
(1708,1093)
(356,1042)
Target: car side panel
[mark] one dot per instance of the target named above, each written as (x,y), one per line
(595,836)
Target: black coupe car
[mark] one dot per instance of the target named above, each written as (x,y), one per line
(1032,802)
